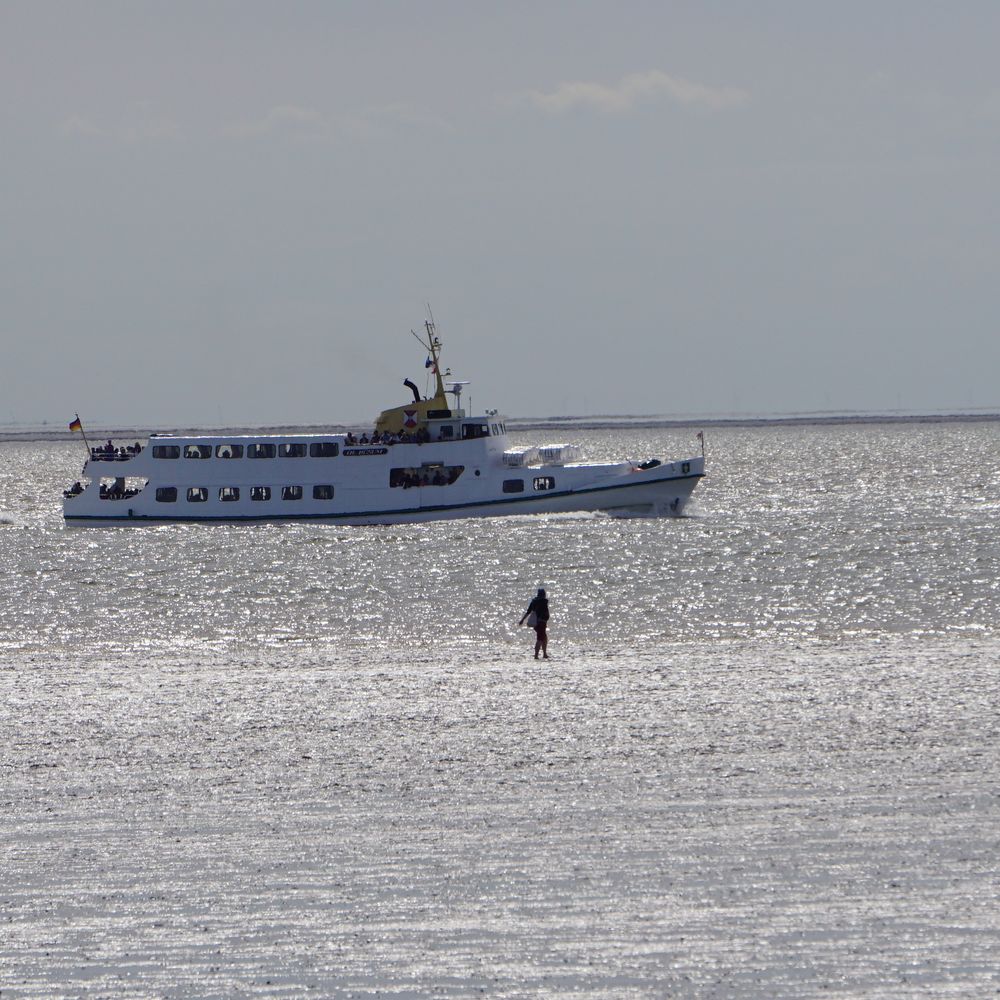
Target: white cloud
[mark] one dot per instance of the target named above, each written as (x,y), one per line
(138,124)
(637,88)
(283,118)
(151,128)
(407,114)
(79,125)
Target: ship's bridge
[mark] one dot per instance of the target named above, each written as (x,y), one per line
(440,424)
(410,417)
(436,418)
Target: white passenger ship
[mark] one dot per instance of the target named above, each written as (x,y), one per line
(426,460)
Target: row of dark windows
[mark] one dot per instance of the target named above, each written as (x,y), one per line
(539,484)
(290,449)
(230,494)
(262,449)
(324,491)
(472,429)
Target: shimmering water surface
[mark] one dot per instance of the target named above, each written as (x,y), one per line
(298,760)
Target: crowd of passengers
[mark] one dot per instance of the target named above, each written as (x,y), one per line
(419,436)
(117,492)
(409,478)
(109,453)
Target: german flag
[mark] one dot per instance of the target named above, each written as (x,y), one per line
(75,425)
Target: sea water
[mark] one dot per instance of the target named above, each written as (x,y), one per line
(308,760)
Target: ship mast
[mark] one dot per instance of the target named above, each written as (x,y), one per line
(433,347)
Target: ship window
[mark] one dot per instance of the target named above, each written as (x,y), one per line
(260,492)
(120,487)
(425,475)
(229,451)
(475,431)
(544,483)
(227,494)
(260,450)
(166,451)
(166,494)
(447,433)
(197,451)
(324,449)
(295,449)
(323,492)
(291,492)
(197,494)
(513,486)
(493,427)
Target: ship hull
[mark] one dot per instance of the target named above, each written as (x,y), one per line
(663,491)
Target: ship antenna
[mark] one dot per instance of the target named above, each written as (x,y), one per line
(433,348)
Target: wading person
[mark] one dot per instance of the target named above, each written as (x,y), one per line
(538,619)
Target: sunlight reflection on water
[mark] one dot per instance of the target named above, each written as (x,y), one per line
(266,760)
(795,532)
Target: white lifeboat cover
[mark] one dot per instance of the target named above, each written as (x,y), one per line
(519,457)
(559,454)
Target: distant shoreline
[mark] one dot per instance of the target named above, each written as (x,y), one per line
(96,434)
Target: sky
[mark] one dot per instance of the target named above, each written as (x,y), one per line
(220,213)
